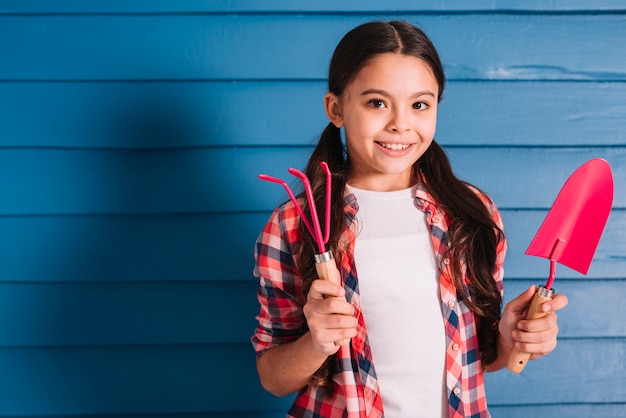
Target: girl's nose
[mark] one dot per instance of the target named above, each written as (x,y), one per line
(399,122)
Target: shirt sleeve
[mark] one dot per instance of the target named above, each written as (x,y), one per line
(280,318)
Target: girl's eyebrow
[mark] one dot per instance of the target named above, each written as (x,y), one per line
(374,91)
(384,93)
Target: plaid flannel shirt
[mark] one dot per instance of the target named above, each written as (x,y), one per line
(356,388)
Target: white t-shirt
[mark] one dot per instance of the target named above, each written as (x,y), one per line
(398,284)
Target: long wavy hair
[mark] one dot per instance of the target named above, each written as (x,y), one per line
(473,235)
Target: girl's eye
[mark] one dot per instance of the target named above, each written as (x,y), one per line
(420,106)
(376,103)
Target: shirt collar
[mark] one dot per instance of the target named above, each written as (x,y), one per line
(423,199)
(350,205)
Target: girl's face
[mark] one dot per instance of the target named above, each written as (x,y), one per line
(389,113)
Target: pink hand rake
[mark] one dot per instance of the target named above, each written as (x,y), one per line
(324,261)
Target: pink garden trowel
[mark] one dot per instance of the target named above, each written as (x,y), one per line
(570,233)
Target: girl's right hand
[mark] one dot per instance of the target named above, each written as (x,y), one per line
(329,316)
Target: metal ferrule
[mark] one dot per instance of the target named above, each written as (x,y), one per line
(546,293)
(323,257)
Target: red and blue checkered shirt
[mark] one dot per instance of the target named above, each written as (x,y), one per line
(357,394)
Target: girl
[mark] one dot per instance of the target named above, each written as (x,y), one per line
(419,251)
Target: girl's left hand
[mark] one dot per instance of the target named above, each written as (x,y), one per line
(534,336)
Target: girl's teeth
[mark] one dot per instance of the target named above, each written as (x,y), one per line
(395,147)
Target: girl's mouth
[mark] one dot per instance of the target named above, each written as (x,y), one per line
(394,147)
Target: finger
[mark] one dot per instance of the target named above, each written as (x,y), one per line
(557,303)
(539,337)
(338,322)
(325,330)
(325,288)
(536,348)
(323,344)
(328,306)
(546,323)
(344,335)
(338,306)
(326,341)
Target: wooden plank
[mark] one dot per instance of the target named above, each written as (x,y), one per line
(532,113)
(69,314)
(217,247)
(229,414)
(301,6)
(132,380)
(179,248)
(156,115)
(199,114)
(77,181)
(184,248)
(515,411)
(575,410)
(232,47)
(185,379)
(530,178)
(114,314)
(576,372)
(165,181)
(595,308)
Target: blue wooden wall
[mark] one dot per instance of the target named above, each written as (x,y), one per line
(131,133)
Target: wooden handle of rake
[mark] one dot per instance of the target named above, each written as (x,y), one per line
(517,358)
(327,270)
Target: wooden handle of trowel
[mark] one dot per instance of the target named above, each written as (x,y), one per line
(517,358)
(327,270)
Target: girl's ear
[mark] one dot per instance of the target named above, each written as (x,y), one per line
(333,109)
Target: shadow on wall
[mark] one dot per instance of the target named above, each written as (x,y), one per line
(145,305)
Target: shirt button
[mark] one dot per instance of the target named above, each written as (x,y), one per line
(421,201)
(450,304)
(456,390)
(455,346)
(446,261)
(435,219)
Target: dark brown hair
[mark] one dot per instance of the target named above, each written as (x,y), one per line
(473,235)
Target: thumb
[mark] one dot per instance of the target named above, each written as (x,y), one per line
(520,303)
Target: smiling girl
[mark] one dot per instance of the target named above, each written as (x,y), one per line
(419,251)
